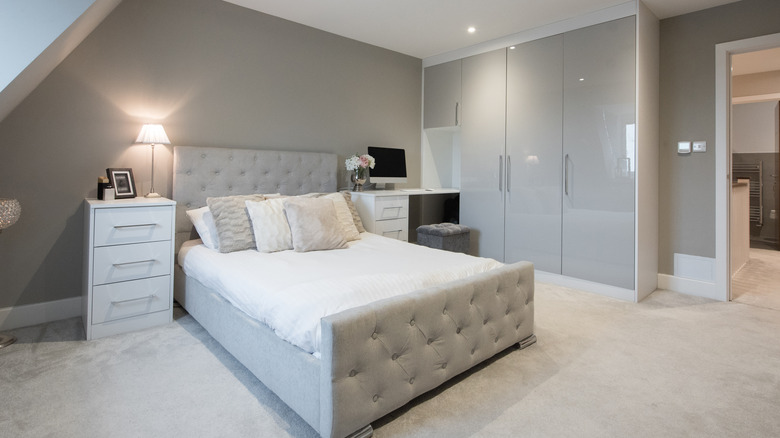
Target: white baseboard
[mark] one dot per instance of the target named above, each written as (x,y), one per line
(32,314)
(688,286)
(587,286)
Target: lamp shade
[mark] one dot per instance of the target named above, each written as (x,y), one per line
(152,134)
(10,210)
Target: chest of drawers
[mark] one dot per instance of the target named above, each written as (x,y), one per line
(128,265)
(384,212)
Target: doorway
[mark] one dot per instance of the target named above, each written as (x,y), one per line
(755,162)
(752,283)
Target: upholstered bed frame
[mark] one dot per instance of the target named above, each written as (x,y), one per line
(374,358)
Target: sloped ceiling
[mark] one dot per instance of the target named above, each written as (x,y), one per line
(59,27)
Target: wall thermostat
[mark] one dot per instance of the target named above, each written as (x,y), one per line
(683,147)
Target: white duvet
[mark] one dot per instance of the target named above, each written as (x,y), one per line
(291,291)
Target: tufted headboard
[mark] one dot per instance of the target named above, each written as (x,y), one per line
(199,173)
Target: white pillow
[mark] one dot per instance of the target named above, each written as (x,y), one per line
(269,224)
(204,224)
(344,216)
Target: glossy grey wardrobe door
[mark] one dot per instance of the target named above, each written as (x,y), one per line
(534,146)
(599,153)
(442,95)
(482,152)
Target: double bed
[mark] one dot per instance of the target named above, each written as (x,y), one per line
(342,336)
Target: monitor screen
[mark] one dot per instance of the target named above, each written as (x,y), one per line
(389,165)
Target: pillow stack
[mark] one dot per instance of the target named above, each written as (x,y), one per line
(270,223)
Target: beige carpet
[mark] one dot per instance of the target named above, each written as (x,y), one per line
(671,366)
(758,282)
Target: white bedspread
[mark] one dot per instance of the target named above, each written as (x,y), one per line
(291,292)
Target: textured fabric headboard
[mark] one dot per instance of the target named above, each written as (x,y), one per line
(199,173)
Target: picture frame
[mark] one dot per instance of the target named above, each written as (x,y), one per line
(123,182)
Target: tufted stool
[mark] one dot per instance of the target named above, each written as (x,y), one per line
(446,236)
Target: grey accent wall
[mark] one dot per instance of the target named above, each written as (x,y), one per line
(215,74)
(687,183)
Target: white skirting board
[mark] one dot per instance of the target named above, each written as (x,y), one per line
(688,286)
(32,314)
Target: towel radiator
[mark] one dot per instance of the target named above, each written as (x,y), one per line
(753,172)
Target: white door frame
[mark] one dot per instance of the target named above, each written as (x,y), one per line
(723,54)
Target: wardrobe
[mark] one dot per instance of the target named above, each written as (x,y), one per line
(558,142)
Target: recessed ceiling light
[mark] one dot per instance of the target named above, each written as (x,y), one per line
(472,29)
(512,48)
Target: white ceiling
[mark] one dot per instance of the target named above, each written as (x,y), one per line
(423,28)
(755,62)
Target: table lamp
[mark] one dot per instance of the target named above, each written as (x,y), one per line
(10,210)
(152,134)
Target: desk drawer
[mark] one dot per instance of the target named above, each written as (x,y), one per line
(130,262)
(130,298)
(132,225)
(391,207)
(394,228)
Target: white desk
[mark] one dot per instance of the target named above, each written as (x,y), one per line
(386,212)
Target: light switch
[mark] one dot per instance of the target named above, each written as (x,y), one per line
(700,146)
(683,147)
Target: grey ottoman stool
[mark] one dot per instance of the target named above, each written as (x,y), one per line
(446,236)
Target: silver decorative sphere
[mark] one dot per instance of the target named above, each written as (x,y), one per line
(10,210)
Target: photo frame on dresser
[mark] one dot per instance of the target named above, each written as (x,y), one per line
(123,182)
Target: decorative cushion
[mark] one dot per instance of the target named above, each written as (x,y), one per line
(269,224)
(233,226)
(204,224)
(344,216)
(313,224)
(353,211)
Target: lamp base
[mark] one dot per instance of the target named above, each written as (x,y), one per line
(153,195)
(6,340)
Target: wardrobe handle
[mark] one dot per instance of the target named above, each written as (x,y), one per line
(566,174)
(500,172)
(457,104)
(508,173)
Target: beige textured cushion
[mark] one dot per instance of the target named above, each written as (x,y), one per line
(233,226)
(269,224)
(353,210)
(344,216)
(313,224)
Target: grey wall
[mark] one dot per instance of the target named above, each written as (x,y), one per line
(214,74)
(687,183)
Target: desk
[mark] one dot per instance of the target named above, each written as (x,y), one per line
(387,212)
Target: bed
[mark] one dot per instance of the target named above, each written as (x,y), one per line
(370,359)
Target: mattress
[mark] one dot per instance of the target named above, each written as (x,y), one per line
(290,291)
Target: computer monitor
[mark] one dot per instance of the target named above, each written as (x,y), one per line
(389,166)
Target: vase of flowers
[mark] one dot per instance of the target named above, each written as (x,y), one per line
(359,165)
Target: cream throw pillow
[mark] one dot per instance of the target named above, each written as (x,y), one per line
(233,226)
(269,224)
(313,224)
(204,224)
(344,216)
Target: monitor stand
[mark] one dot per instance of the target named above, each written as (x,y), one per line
(380,186)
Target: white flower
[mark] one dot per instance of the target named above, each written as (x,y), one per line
(361,162)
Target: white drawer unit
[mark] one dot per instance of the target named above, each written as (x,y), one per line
(384,212)
(128,265)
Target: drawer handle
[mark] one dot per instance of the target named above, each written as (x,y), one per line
(119,265)
(119,227)
(391,231)
(150,297)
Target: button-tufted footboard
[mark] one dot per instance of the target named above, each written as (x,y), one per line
(376,358)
